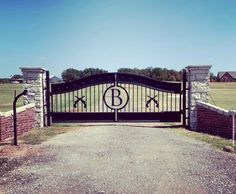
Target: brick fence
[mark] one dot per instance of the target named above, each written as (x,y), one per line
(26,120)
(214,120)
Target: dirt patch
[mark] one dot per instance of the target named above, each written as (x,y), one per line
(13,157)
(18,151)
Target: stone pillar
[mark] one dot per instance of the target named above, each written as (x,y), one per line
(34,81)
(198,84)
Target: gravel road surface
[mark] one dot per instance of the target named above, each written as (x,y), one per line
(125,159)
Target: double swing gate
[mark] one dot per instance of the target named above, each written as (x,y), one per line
(116,97)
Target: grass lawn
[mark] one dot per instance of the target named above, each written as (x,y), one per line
(223,95)
(215,141)
(7,96)
(36,136)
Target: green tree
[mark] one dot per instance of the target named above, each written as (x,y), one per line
(71,74)
(213,78)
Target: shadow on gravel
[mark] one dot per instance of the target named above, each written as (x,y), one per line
(148,125)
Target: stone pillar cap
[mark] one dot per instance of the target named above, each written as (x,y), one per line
(33,69)
(199,66)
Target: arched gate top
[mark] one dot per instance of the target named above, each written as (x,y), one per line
(124,78)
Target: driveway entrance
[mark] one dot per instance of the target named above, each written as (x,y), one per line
(126,159)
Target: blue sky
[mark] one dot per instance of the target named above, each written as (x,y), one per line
(109,34)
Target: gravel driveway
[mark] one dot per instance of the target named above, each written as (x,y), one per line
(126,159)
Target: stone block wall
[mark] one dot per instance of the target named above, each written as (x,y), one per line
(34,83)
(26,120)
(214,120)
(198,78)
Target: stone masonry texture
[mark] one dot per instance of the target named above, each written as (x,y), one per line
(198,77)
(34,82)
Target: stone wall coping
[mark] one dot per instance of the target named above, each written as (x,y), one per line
(195,67)
(214,108)
(18,110)
(232,112)
(33,69)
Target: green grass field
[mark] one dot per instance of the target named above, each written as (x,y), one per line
(221,94)
(7,96)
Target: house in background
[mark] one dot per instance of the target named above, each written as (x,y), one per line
(16,79)
(227,76)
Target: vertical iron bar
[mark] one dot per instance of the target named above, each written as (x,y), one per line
(44,94)
(56,102)
(167,108)
(52,103)
(145,97)
(61,102)
(73,100)
(133,98)
(65,101)
(48,98)
(129,99)
(154,103)
(125,106)
(106,106)
(94,98)
(141,99)
(77,93)
(162,100)
(175,102)
(90,96)
(78,104)
(137,97)
(158,101)
(102,98)
(150,94)
(184,97)
(86,97)
(69,101)
(98,97)
(82,106)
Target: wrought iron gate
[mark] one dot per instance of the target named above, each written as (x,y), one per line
(118,97)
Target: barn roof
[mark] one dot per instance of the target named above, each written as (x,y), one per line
(231,73)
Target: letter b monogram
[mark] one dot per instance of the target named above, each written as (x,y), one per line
(116,97)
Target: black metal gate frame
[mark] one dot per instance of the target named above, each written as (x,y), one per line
(124,116)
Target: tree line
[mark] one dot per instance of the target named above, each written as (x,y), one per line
(157,73)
